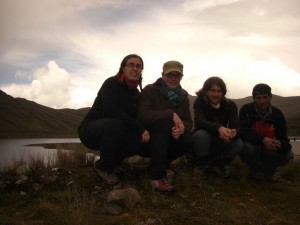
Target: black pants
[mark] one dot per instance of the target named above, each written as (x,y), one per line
(112,138)
(163,148)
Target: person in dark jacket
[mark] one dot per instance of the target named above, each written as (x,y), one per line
(263,129)
(111,125)
(216,142)
(164,110)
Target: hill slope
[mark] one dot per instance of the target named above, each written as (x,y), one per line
(21,118)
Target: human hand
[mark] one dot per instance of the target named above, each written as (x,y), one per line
(272,144)
(145,136)
(178,123)
(226,134)
(176,132)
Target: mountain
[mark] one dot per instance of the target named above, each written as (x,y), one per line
(21,118)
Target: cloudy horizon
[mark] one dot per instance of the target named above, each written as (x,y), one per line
(59,52)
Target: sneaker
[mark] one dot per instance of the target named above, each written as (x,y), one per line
(108,177)
(162,186)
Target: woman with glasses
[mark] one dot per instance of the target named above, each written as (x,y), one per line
(164,110)
(111,125)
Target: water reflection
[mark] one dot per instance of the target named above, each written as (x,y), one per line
(15,150)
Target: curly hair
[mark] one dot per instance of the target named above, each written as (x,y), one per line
(209,83)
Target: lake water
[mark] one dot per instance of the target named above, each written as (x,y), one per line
(14,150)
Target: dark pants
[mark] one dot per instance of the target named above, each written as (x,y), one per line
(258,158)
(164,148)
(212,149)
(112,138)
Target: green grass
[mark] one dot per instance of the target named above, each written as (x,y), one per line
(73,194)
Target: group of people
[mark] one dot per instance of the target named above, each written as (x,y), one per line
(156,121)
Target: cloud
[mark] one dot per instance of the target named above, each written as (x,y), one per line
(51,86)
(82,42)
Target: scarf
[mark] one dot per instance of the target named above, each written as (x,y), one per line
(173,94)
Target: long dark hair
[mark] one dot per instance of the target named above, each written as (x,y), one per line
(124,62)
(209,83)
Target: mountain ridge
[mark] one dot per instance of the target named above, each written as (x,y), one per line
(22,118)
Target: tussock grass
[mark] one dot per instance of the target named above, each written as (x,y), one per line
(72,193)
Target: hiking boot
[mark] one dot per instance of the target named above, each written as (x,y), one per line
(163,186)
(108,177)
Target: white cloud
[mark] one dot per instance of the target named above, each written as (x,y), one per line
(242,41)
(51,86)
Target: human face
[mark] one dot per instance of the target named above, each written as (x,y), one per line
(215,94)
(133,69)
(262,102)
(172,79)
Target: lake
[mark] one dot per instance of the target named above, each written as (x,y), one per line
(14,150)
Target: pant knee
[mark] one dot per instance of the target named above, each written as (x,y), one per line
(201,143)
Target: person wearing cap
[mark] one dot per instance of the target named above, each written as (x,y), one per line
(111,125)
(216,141)
(165,112)
(264,132)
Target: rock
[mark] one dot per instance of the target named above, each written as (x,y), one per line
(124,197)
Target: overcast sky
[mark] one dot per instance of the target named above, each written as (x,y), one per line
(58,52)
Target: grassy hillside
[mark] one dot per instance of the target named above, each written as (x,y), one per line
(73,194)
(21,118)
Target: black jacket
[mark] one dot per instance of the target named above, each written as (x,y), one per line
(115,100)
(248,116)
(211,119)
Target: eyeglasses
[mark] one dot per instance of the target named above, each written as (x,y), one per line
(174,75)
(132,66)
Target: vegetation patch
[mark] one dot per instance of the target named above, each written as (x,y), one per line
(71,192)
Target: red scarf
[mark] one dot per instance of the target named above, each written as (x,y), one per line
(130,84)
